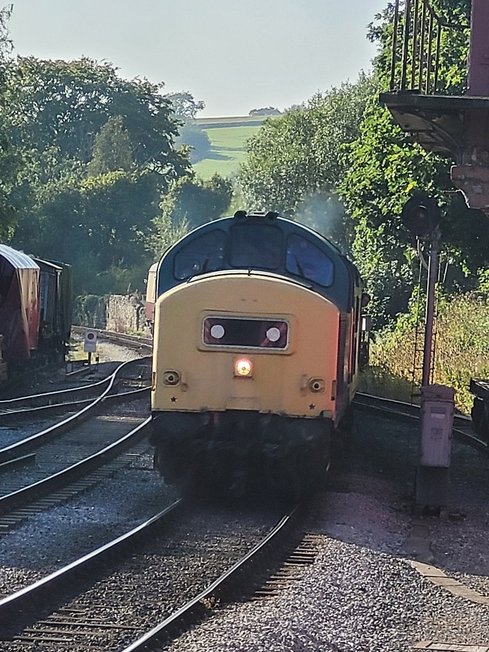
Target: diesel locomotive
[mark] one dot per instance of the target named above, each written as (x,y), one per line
(257,338)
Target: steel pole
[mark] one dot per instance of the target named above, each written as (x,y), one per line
(433,265)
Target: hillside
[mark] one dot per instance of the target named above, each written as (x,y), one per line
(228,137)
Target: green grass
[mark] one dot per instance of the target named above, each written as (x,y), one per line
(227,150)
(228,138)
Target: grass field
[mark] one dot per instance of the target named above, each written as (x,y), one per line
(228,137)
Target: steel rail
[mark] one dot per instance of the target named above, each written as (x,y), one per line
(31,398)
(196,608)
(34,441)
(54,407)
(17,610)
(411,412)
(73,472)
(114,336)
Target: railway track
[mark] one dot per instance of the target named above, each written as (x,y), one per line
(196,559)
(86,618)
(34,406)
(107,386)
(135,342)
(462,425)
(95,445)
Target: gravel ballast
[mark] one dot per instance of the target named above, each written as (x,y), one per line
(362,594)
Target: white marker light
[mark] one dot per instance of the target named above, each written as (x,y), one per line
(217,331)
(273,334)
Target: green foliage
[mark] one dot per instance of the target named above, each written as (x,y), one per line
(454,42)
(386,168)
(302,152)
(120,280)
(461,347)
(100,222)
(197,201)
(64,104)
(383,172)
(196,139)
(89,310)
(96,153)
(112,149)
(188,204)
(9,160)
(165,234)
(185,105)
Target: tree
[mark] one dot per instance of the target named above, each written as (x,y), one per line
(191,135)
(97,151)
(185,105)
(267,110)
(301,155)
(196,140)
(188,204)
(112,149)
(385,168)
(452,71)
(9,162)
(64,104)
(101,223)
(197,201)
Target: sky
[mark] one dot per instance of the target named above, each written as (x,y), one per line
(234,55)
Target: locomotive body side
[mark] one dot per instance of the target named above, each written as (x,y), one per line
(149,304)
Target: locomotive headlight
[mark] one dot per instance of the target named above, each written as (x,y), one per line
(243,368)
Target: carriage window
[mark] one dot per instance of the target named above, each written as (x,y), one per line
(256,245)
(306,260)
(200,255)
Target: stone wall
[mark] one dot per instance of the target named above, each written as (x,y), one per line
(125,314)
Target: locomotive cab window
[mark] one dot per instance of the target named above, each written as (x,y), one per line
(256,246)
(200,255)
(305,259)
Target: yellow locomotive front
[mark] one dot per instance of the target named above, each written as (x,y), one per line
(251,375)
(245,364)
(245,341)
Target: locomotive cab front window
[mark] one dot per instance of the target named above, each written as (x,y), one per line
(200,255)
(308,261)
(256,246)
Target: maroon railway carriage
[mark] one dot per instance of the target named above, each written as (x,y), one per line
(19,304)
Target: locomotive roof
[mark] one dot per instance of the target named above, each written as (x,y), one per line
(18,259)
(344,277)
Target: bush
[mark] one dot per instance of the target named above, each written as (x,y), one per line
(461,350)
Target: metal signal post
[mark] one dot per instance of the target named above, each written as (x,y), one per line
(433,266)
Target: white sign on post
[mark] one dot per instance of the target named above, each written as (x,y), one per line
(90,345)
